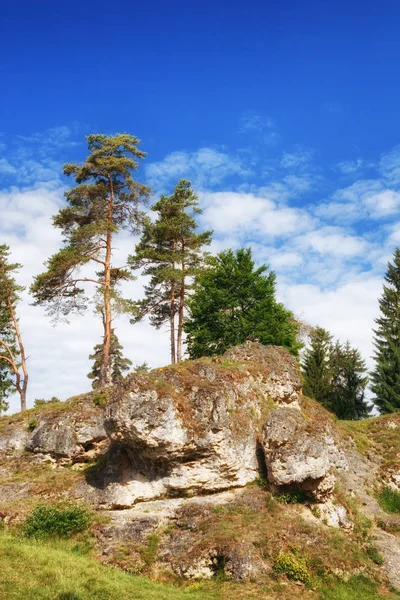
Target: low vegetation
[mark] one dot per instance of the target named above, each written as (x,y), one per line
(51,520)
(389,500)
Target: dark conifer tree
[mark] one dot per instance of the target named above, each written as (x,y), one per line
(316,366)
(234,301)
(117,366)
(171,253)
(348,382)
(386,375)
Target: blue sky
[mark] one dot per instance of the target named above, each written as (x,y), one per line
(284,116)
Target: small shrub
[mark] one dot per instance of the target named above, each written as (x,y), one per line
(389,500)
(32,424)
(100,399)
(262,483)
(149,552)
(294,567)
(143,368)
(51,520)
(374,554)
(39,402)
(291,498)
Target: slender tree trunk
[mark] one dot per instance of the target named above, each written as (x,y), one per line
(21,389)
(104,375)
(172,322)
(181,306)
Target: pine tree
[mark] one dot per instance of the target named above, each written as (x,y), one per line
(232,302)
(171,253)
(386,375)
(13,368)
(348,382)
(106,199)
(316,366)
(117,365)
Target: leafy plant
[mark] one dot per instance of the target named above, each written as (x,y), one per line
(39,402)
(32,424)
(52,520)
(373,553)
(291,497)
(294,567)
(100,399)
(389,500)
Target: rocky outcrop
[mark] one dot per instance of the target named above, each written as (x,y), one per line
(177,448)
(196,428)
(299,457)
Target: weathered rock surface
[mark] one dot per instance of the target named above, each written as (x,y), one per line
(297,457)
(195,429)
(176,449)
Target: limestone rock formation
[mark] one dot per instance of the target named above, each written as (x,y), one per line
(172,457)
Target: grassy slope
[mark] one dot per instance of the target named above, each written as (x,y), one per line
(33,571)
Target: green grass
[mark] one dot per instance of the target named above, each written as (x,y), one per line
(389,500)
(40,571)
(357,588)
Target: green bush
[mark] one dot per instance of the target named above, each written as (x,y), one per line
(100,399)
(294,567)
(39,402)
(373,553)
(389,500)
(51,520)
(291,498)
(32,424)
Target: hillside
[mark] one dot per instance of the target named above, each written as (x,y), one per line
(215,478)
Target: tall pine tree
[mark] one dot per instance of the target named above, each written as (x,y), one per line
(234,301)
(105,199)
(171,253)
(316,366)
(349,380)
(335,375)
(117,365)
(13,367)
(386,375)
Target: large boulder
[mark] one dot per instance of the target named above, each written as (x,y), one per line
(194,428)
(300,456)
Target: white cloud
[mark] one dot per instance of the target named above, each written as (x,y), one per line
(6,168)
(298,159)
(332,241)
(245,214)
(205,167)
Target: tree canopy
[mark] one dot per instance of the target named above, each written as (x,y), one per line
(234,301)
(105,199)
(386,375)
(171,253)
(335,375)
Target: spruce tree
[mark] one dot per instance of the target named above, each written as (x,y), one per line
(171,253)
(13,367)
(232,302)
(348,383)
(117,364)
(386,375)
(316,366)
(105,199)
